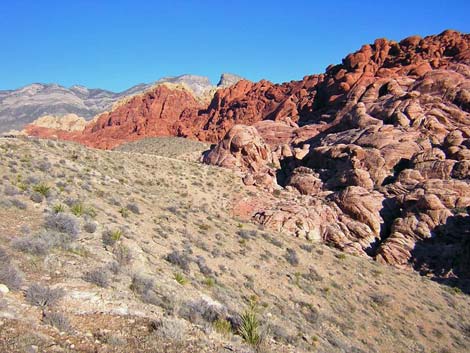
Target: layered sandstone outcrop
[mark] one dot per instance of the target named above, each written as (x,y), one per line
(382,155)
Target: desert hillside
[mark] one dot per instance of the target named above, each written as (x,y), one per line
(133,251)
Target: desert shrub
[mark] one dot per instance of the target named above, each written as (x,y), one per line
(142,284)
(90,227)
(203,310)
(44,166)
(114,340)
(32,180)
(291,257)
(4,257)
(122,254)
(10,190)
(99,277)
(276,242)
(18,204)
(35,245)
(42,189)
(247,234)
(179,259)
(380,299)
(133,207)
(63,223)
(307,247)
(205,270)
(309,312)
(70,201)
(114,267)
(110,237)
(43,296)
(173,329)
(10,276)
(42,242)
(36,197)
(57,319)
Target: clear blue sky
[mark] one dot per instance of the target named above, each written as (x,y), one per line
(115,44)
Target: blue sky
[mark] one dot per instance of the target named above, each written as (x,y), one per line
(116,44)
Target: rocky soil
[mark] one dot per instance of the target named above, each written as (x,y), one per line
(130,251)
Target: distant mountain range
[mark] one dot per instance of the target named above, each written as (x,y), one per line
(24,105)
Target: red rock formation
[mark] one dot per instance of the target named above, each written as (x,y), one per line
(384,160)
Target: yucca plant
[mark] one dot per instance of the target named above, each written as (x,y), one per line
(42,189)
(250,325)
(180,278)
(58,208)
(78,209)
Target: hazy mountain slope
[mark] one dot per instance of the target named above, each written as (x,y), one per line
(23,106)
